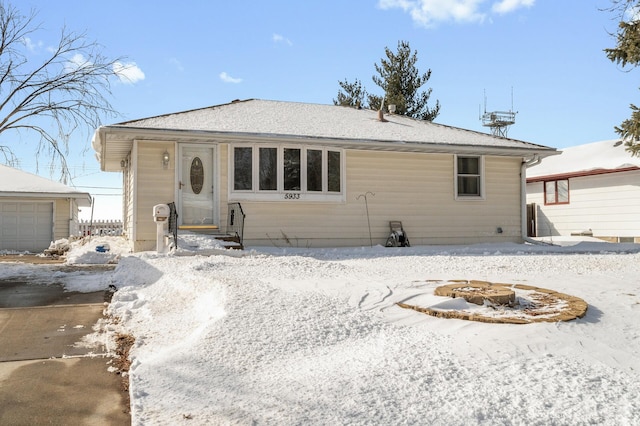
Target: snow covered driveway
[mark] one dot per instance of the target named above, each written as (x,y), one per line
(281,337)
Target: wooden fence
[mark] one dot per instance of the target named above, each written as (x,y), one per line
(100,227)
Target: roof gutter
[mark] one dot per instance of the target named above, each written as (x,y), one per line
(82,198)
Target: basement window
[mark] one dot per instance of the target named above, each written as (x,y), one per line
(274,173)
(556,191)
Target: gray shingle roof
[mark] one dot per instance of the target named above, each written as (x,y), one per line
(292,119)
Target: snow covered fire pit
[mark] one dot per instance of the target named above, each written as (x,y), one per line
(479,292)
(500,303)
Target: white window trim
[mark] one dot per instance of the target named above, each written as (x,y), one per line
(480,197)
(280,194)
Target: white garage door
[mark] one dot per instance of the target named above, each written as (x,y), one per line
(25,226)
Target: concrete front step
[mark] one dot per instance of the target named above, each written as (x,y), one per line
(213,231)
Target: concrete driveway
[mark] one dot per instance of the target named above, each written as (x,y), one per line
(45,378)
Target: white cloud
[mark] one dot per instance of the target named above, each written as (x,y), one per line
(228,79)
(30,45)
(128,73)
(281,39)
(508,6)
(77,61)
(430,12)
(177,63)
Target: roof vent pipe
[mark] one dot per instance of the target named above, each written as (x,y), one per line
(380,113)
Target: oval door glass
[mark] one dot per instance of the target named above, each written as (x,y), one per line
(196,174)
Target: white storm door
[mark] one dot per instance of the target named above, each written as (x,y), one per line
(197,186)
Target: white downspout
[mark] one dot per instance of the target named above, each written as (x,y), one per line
(535,160)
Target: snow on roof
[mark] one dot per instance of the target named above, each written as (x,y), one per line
(14,182)
(604,155)
(293,119)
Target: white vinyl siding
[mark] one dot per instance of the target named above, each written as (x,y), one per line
(127,203)
(63,224)
(154,185)
(607,205)
(414,188)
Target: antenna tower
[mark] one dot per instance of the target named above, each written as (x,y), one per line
(498,121)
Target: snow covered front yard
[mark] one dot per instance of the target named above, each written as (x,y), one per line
(295,336)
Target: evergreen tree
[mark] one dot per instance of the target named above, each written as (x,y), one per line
(627,52)
(400,80)
(351,94)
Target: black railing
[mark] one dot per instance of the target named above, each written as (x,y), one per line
(235,220)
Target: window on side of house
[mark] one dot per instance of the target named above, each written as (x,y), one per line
(286,173)
(556,191)
(469,177)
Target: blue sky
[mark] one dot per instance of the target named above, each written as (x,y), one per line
(545,55)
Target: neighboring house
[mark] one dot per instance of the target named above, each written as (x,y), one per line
(35,211)
(309,175)
(591,189)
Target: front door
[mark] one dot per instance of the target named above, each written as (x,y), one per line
(197,186)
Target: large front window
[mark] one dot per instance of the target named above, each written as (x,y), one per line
(268,168)
(292,167)
(286,173)
(242,164)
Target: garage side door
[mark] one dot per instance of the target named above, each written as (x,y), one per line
(26,226)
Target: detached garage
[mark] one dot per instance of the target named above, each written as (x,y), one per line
(35,211)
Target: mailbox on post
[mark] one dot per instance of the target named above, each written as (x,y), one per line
(161,214)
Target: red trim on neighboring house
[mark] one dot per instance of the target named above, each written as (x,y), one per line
(561,176)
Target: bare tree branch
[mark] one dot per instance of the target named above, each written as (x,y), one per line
(54,97)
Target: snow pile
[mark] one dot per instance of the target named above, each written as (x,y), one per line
(97,250)
(197,244)
(300,336)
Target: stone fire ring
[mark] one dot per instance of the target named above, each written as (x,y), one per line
(479,292)
(504,295)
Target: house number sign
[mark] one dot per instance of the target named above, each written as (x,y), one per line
(196,173)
